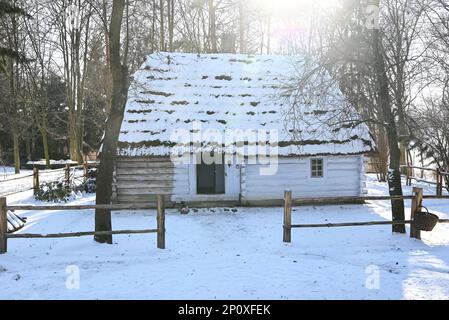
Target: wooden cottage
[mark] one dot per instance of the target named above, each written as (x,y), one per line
(178,97)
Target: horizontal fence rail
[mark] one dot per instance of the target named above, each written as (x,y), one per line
(78,234)
(16,178)
(417,199)
(4,208)
(80,207)
(357,224)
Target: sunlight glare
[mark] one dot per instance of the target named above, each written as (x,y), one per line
(294,7)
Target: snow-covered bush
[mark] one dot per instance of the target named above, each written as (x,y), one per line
(61,191)
(90,184)
(56,191)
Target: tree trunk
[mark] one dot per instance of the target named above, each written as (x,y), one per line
(73,141)
(80,136)
(28,147)
(16,148)
(153,28)
(161,5)
(44,134)
(394,173)
(242,26)
(269,35)
(213,27)
(119,97)
(171,23)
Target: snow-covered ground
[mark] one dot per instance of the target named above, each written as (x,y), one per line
(7,172)
(221,254)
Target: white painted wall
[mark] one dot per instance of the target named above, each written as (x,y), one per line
(138,180)
(343,176)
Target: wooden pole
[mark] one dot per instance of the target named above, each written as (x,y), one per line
(288,216)
(86,171)
(76,234)
(3,226)
(67,174)
(437,178)
(416,204)
(36,180)
(408,180)
(160,222)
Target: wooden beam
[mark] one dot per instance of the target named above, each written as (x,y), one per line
(77,234)
(16,178)
(287,216)
(114,207)
(160,222)
(351,224)
(416,204)
(36,180)
(67,174)
(3,226)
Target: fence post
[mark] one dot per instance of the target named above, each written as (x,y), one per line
(160,222)
(439,183)
(416,203)
(3,226)
(287,216)
(67,174)
(408,180)
(36,180)
(85,170)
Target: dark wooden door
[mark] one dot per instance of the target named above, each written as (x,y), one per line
(210,178)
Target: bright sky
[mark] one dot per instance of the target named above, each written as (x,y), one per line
(291,8)
(292,20)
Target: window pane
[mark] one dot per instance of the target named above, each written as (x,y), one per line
(316,168)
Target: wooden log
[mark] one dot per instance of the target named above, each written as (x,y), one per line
(160,222)
(3,226)
(351,199)
(17,178)
(351,224)
(287,216)
(67,174)
(36,180)
(77,234)
(15,192)
(114,207)
(144,165)
(408,180)
(420,168)
(437,179)
(52,171)
(358,224)
(416,204)
(85,171)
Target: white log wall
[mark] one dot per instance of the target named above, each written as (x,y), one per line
(141,179)
(342,177)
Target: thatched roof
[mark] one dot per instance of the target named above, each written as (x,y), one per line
(224,92)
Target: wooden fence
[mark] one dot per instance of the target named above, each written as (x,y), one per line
(417,202)
(439,177)
(37,176)
(4,208)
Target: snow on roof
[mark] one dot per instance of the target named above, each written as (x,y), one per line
(173,91)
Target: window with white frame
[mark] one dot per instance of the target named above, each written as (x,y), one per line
(317,168)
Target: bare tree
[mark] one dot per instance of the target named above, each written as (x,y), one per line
(120,84)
